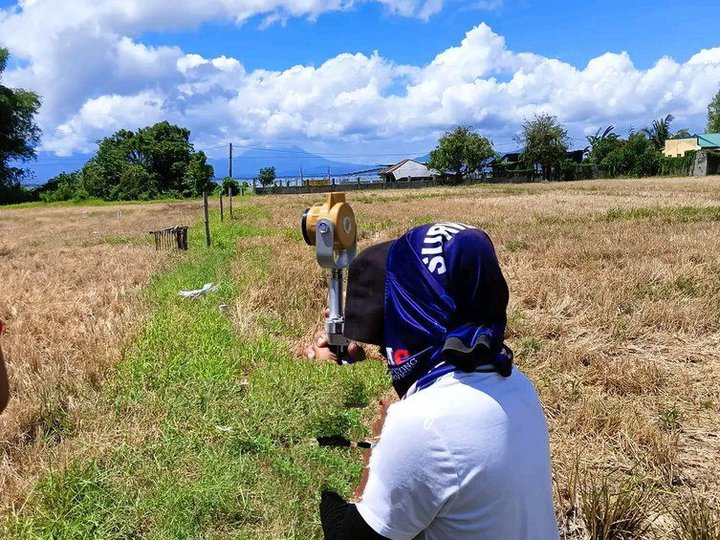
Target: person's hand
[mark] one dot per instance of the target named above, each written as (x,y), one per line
(320,350)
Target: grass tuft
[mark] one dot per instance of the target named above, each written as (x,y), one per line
(696,520)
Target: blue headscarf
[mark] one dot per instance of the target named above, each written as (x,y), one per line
(445,305)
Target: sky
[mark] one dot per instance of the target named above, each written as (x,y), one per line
(366,81)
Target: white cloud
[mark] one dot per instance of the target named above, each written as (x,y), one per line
(95,76)
(105,115)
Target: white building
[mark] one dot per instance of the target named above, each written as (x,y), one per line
(408,169)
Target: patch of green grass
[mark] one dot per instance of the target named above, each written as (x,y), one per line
(679,286)
(423,220)
(214,431)
(515,245)
(528,345)
(669,418)
(669,214)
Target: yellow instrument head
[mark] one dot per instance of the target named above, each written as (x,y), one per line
(339,213)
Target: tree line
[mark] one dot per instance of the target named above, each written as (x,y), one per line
(159,161)
(545,151)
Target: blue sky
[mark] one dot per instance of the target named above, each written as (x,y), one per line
(571,31)
(363,78)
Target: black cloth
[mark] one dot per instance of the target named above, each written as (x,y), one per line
(342,521)
(365,298)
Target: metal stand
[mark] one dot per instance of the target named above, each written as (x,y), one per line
(335,261)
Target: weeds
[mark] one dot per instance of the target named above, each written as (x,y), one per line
(696,519)
(615,511)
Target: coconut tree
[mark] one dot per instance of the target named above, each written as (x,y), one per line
(600,137)
(659,132)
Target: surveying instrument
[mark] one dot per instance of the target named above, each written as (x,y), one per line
(332,229)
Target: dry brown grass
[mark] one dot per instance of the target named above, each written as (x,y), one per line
(70,278)
(614,314)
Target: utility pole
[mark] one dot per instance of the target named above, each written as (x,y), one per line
(230,158)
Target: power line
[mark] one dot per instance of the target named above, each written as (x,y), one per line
(211,148)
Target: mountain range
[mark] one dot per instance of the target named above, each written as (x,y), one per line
(289,162)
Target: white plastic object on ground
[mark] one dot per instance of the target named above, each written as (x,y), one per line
(208,287)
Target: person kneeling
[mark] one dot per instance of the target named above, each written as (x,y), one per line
(464,453)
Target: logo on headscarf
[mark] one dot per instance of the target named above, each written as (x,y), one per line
(435,238)
(397,356)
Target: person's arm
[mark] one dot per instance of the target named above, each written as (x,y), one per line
(4,386)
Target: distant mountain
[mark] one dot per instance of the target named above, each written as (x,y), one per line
(288,162)
(48,165)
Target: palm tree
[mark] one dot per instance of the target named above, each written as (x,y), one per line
(659,132)
(681,134)
(599,138)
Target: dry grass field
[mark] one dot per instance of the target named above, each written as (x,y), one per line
(614,314)
(69,280)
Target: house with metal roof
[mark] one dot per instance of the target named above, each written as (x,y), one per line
(408,170)
(707,148)
(678,147)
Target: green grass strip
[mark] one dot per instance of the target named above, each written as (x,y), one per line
(213,429)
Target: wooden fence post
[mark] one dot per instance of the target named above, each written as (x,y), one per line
(230,197)
(221,206)
(207,219)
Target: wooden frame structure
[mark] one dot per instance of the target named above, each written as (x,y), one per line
(171,237)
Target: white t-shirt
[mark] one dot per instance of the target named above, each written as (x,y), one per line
(466,458)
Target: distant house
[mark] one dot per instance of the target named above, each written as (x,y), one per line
(407,170)
(679,147)
(706,161)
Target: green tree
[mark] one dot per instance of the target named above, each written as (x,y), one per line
(267,176)
(713,125)
(60,188)
(544,141)
(659,131)
(136,183)
(163,151)
(93,180)
(635,156)
(231,183)
(19,135)
(460,151)
(199,174)
(601,144)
